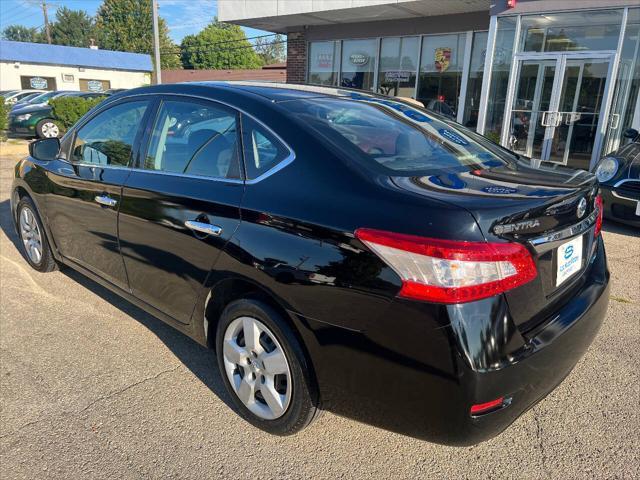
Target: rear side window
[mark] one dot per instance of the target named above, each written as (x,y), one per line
(393,137)
(194,139)
(107,139)
(262,150)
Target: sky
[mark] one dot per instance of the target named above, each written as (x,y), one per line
(183,17)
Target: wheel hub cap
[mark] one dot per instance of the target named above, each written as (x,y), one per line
(30,235)
(257,367)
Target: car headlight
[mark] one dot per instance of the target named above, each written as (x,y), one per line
(607,169)
(22,118)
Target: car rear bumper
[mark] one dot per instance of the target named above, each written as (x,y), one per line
(422,368)
(619,209)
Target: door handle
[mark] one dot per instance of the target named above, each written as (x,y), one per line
(202,227)
(614,123)
(105,200)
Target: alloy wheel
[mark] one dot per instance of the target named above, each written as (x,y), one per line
(50,130)
(30,235)
(257,368)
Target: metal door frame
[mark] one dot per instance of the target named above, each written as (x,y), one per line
(561,64)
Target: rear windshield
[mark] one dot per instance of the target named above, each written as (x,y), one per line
(396,138)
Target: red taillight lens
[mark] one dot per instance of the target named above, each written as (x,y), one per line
(447,271)
(600,209)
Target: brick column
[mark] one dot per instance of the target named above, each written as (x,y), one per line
(296,57)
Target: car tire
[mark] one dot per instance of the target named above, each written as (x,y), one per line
(298,399)
(47,128)
(33,238)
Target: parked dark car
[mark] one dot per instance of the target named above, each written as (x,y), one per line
(339,250)
(36,120)
(619,177)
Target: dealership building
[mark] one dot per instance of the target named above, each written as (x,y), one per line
(551,79)
(40,66)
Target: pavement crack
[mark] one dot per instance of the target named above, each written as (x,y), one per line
(128,387)
(543,454)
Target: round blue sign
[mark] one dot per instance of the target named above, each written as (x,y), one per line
(452,136)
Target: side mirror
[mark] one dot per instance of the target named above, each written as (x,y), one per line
(45,149)
(631,133)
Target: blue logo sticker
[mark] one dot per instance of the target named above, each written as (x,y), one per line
(568,252)
(452,136)
(417,116)
(500,190)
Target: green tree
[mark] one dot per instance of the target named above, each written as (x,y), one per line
(126,25)
(20,33)
(219,46)
(73,28)
(271,50)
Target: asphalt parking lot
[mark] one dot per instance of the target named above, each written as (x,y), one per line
(93,387)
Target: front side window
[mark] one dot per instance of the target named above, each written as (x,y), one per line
(194,139)
(262,150)
(108,138)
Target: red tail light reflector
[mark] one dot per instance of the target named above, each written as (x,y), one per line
(600,208)
(447,271)
(481,408)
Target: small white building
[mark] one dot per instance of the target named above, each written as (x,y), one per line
(55,67)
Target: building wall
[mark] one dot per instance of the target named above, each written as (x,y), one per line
(499,7)
(296,57)
(11,72)
(402,27)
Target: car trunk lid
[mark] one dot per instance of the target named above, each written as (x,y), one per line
(543,208)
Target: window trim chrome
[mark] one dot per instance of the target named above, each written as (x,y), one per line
(276,168)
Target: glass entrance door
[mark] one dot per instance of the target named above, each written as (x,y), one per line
(557,108)
(532,106)
(579,110)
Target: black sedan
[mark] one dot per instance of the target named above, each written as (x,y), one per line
(619,177)
(339,250)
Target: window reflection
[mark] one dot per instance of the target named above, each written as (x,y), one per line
(474,84)
(323,63)
(441,68)
(358,63)
(398,66)
(575,31)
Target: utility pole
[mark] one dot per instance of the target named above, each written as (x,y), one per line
(46,22)
(156,42)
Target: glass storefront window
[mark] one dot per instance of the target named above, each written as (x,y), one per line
(359,63)
(441,68)
(398,66)
(474,84)
(323,62)
(569,32)
(502,58)
(627,88)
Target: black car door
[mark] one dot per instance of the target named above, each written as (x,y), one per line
(181,203)
(82,208)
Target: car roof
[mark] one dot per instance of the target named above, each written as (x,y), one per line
(275,92)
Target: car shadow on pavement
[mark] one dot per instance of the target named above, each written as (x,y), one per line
(620,228)
(200,360)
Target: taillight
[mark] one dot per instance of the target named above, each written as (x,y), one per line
(447,271)
(600,208)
